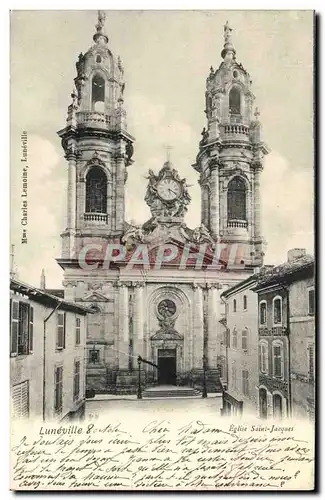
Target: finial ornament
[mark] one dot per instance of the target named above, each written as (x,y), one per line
(99,36)
(228,48)
(168,149)
(257,113)
(227,33)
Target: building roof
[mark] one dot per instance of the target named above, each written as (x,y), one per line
(287,272)
(58,292)
(241,285)
(45,298)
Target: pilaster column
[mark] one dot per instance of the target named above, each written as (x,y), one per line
(213,325)
(123,332)
(71,193)
(120,193)
(269,405)
(214,200)
(138,330)
(198,332)
(257,202)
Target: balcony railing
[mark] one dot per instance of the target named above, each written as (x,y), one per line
(94,119)
(237,223)
(95,218)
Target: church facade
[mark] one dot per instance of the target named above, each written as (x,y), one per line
(155,289)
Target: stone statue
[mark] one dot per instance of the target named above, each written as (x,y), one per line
(227,33)
(133,233)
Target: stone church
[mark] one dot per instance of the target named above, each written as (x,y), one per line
(165,307)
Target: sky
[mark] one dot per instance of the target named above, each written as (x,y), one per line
(166,57)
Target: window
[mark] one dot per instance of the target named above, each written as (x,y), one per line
(58,389)
(311,362)
(277,359)
(98,93)
(277,311)
(263,357)
(96,191)
(14,313)
(245,302)
(78,322)
(234,338)
(277,406)
(76,381)
(22,328)
(234,101)
(94,356)
(245,387)
(98,59)
(311,301)
(235,305)
(234,376)
(236,199)
(244,339)
(20,400)
(60,337)
(263,313)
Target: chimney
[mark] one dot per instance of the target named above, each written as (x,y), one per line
(296,253)
(43,285)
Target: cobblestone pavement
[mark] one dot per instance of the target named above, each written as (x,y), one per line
(194,407)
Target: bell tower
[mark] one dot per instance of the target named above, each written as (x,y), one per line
(230,158)
(97,147)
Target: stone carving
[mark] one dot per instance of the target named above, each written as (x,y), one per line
(201,235)
(227,33)
(175,207)
(205,136)
(96,160)
(133,234)
(129,150)
(166,309)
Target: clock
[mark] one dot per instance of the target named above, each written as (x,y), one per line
(168,189)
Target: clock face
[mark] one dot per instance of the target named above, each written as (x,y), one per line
(168,189)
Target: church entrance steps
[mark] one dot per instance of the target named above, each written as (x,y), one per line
(170,391)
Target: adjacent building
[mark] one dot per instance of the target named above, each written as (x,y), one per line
(47,354)
(286,338)
(166,310)
(241,348)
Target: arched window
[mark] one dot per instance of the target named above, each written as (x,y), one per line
(263,356)
(277,406)
(263,313)
(96,191)
(234,101)
(236,199)
(277,350)
(277,311)
(98,93)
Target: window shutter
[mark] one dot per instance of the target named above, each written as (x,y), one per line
(20,400)
(64,329)
(14,314)
(31,328)
(60,330)
(277,361)
(311,366)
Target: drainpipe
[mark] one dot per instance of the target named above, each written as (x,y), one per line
(44,353)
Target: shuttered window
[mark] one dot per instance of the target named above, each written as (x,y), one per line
(76,381)
(244,335)
(60,337)
(20,400)
(311,302)
(245,387)
(31,329)
(14,311)
(277,360)
(58,389)
(78,322)
(311,362)
(23,330)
